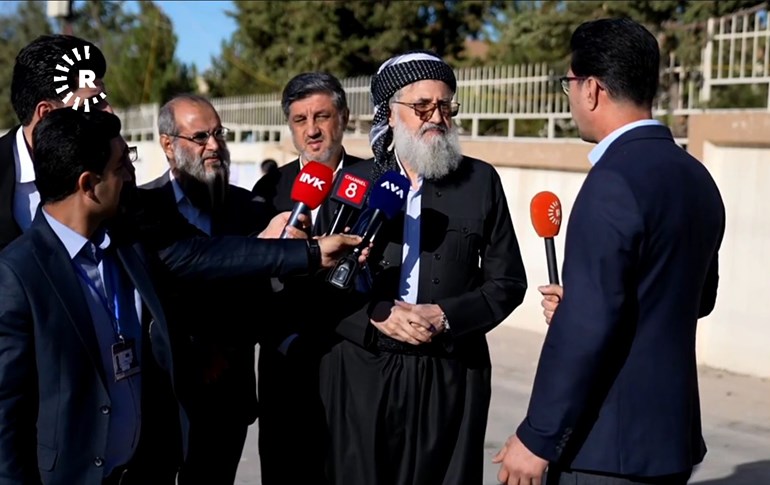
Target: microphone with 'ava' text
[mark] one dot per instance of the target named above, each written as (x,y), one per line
(386,199)
(349,192)
(310,188)
(545,211)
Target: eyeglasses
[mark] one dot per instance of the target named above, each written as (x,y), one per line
(202,137)
(424,110)
(565,80)
(133,154)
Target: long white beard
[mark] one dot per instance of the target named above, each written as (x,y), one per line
(434,157)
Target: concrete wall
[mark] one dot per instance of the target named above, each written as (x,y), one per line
(737,335)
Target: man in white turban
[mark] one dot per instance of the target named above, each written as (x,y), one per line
(407,390)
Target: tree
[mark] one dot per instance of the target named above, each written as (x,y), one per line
(17,29)
(139,49)
(277,40)
(539,31)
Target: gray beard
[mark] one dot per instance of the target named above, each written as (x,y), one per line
(206,190)
(323,157)
(432,159)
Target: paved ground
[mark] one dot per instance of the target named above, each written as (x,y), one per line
(736,416)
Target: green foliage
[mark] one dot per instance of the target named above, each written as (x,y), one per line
(139,48)
(742,96)
(540,31)
(17,30)
(276,40)
(536,31)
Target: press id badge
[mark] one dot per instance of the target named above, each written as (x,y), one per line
(124,361)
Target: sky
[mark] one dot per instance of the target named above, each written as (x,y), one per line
(200,26)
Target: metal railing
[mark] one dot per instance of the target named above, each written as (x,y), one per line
(737,52)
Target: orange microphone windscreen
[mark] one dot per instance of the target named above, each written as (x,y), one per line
(545,211)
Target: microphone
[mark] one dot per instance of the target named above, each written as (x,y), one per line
(350,192)
(310,188)
(545,211)
(386,199)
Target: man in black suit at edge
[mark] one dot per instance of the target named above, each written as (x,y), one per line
(33,95)
(220,387)
(316,110)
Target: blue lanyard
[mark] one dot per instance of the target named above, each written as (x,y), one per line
(114,310)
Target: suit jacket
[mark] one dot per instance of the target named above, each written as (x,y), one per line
(53,396)
(219,320)
(616,389)
(470,263)
(9,229)
(321,303)
(277,192)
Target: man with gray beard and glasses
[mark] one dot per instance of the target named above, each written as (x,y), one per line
(406,391)
(219,392)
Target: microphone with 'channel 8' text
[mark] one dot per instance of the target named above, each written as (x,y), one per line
(310,188)
(386,199)
(350,193)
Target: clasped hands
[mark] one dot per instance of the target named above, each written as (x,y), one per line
(332,247)
(412,323)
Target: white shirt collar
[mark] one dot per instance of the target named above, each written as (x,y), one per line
(72,241)
(339,165)
(403,172)
(598,151)
(25,170)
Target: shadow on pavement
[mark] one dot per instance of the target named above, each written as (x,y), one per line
(754,473)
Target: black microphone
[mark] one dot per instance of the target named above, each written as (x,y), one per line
(387,198)
(310,189)
(350,192)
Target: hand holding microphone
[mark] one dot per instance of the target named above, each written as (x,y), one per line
(386,199)
(310,188)
(545,211)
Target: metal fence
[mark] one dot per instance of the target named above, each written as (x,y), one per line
(526,100)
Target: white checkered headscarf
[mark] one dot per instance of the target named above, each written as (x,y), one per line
(394,74)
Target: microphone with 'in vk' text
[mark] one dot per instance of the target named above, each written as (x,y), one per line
(310,188)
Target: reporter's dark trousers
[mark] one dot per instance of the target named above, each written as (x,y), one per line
(557,476)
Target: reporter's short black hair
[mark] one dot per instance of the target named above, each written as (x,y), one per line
(35,69)
(68,143)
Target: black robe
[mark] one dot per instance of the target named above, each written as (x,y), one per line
(401,414)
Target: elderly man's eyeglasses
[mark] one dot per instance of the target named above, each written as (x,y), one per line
(202,137)
(565,80)
(424,110)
